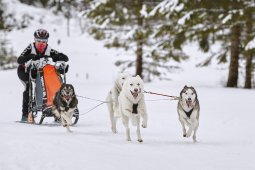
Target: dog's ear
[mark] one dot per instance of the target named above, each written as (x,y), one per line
(182,91)
(138,77)
(61,88)
(72,88)
(193,89)
(185,87)
(74,102)
(62,85)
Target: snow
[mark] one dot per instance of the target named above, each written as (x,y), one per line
(227,18)
(226,139)
(250,44)
(143,11)
(167,5)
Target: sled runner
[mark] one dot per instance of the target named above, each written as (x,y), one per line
(45,80)
(53,124)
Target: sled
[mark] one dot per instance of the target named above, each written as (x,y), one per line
(45,80)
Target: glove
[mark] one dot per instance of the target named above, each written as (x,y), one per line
(62,57)
(67,66)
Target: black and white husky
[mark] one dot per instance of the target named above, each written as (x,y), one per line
(188,110)
(64,105)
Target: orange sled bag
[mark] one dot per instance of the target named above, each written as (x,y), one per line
(52,83)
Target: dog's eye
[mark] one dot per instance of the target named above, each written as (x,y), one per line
(192,93)
(131,84)
(123,78)
(138,84)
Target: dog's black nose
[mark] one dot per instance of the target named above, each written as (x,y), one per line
(189,99)
(136,90)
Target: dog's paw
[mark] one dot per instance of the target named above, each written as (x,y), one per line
(144,124)
(194,139)
(189,133)
(69,131)
(114,130)
(140,140)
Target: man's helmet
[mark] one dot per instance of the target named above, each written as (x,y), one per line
(41,34)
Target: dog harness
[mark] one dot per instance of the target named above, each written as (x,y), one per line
(135,109)
(188,113)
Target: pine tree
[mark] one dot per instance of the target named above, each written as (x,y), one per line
(7,59)
(1,15)
(208,22)
(127,25)
(249,35)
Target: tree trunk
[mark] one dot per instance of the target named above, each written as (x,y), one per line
(59,6)
(234,58)
(248,71)
(249,56)
(139,59)
(139,50)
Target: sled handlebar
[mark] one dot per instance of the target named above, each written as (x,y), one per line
(38,64)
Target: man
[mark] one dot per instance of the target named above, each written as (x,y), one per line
(35,51)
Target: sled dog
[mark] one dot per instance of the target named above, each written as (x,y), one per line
(132,105)
(64,104)
(188,111)
(112,99)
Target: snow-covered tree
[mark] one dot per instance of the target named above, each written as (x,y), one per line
(7,59)
(208,22)
(128,25)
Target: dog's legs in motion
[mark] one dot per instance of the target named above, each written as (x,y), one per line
(68,129)
(143,112)
(125,121)
(66,122)
(195,125)
(144,122)
(183,126)
(111,108)
(113,122)
(139,138)
(188,122)
(69,122)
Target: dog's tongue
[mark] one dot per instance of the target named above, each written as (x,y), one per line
(189,103)
(134,94)
(67,98)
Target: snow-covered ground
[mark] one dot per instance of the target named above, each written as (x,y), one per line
(226,136)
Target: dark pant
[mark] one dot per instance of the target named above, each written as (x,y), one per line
(24,77)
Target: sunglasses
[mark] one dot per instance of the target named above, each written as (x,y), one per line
(41,40)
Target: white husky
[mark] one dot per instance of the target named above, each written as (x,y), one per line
(188,110)
(132,105)
(112,99)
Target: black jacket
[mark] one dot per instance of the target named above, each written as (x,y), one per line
(31,53)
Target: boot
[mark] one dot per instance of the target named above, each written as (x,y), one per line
(24,118)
